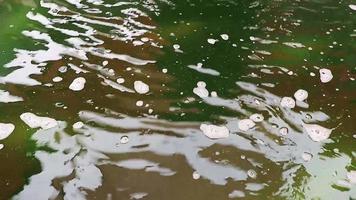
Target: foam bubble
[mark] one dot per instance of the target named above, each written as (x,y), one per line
(120,80)
(141,87)
(351,177)
(124,139)
(212,41)
(307,156)
(224,36)
(200,90)
(283,131)
(214,94)
(6,130)
(57,79)
(325,75)
(176,46)
(77,84)
(215,132)
(316,132)
(246,124)
(78,125)
(196,175)
(252,173)
(353,7)
(257,117)
(139,103)
(6,97)
(35,121)
(288,102)
(301,95)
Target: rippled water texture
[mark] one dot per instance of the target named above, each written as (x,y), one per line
(179,99)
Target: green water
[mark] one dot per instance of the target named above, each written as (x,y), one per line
(152,145)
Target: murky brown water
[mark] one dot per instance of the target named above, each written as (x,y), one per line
(190,99)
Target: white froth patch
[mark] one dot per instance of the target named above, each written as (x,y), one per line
(288,102)
(283,131)
(214,94)
(301,95)
(6,97)
(257,117)
(200,90)
(325,75)
(316,132)
(246,124)
(57,79)
(353,7)
(120,80)
(141,87)
(6,130)
(224,36)
(196,175)
(212,41)
(351,177)
(124,139)
(139,103)
(215,132)
(35,121)
(78,125)
(176,46)
(77,84)
(1,146)
(307,156)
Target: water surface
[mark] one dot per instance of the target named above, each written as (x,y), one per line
(115,141)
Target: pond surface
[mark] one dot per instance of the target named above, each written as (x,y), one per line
(168,99)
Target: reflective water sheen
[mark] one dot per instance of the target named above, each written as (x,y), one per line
(168,99)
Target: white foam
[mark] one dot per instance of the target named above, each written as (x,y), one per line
(6,130)
(124,139)
(307,156)
(288,102)
(200,90)
(57,79)
(141,87)
(353,7)
(283,131)
(351,177)
(214,94)
(246,124)
(1,146)
(252,173)
(294,44)
(224,36)
(77,84)
(316,132)
(139,103)
(301,95)
(176,46)
(35,121)
(325,75)
(257,117)
(6,97)
(120,80)
(215,132)
(212,41)
(78,125)
(196,175)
